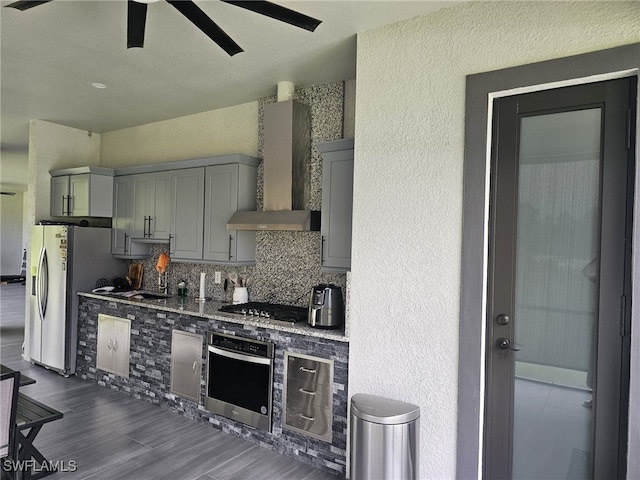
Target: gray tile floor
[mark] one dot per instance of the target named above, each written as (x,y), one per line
(551,431)
(109,435)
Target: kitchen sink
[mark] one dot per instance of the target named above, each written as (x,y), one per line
(152,296)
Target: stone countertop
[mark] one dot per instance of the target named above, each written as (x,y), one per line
(210,309)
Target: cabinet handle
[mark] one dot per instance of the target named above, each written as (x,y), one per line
(306,392)
(322,251)
(304,417)
(115,345)
(144,227)
(149,233)
(109,343)
(125,242)
(195,365)
(230,239)
(64,199)
(307,370)
(68,204)
(170,238)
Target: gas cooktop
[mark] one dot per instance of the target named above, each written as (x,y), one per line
(270,312)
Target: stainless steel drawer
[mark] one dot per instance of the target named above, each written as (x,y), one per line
(303,394)
(314,421)
(309,370)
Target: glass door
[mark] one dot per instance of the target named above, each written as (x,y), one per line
(556,280)
(557,328)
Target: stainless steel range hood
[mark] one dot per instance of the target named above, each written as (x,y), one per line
(292,220)
(287,152)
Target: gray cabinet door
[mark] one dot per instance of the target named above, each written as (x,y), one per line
(122,215)
(186,364)
(188,213)
(337,208)
(140,209)
(160,206)
(221,201)
(79,191)
(229,188)
(59,191)
(151,205)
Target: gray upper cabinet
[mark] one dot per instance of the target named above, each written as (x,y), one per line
(188,214)
(81,192)
(229,188)
(151,205)
(337,204)
(204,200)
(141,212)
(186,204)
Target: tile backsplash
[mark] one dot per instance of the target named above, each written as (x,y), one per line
(287,263)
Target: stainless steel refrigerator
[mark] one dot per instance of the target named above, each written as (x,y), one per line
(64,260)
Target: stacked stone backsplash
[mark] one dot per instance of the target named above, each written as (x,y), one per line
(287,263)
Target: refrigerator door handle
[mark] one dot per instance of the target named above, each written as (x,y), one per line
(38,283)
(43,284)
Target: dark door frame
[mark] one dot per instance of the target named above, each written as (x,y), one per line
(480,91)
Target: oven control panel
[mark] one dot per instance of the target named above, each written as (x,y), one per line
(243,345)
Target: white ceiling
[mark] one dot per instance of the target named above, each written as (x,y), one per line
(52,53)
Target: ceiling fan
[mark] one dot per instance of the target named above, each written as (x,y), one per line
(137,15)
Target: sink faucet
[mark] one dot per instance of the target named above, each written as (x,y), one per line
(163,284)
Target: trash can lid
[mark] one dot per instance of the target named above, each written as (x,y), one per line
(383,410)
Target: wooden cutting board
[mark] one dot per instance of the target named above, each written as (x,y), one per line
(134,276)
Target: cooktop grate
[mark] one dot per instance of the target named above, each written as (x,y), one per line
(269,311)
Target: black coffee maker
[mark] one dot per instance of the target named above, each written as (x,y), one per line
(326,307)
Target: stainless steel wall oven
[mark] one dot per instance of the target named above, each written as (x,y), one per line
(240,379)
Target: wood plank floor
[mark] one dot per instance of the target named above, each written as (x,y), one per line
(109,435)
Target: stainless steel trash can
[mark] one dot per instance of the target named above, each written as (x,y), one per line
(385,438)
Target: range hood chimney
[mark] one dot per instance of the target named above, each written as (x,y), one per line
(287,153)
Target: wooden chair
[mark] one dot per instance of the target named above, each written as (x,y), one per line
(9,384)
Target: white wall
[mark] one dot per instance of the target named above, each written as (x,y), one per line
(409,130)
(216,132)
(11,243)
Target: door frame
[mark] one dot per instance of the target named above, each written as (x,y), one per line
(481,90)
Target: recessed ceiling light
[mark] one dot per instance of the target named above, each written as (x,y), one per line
(98,85)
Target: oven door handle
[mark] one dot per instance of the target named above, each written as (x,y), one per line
(240,356)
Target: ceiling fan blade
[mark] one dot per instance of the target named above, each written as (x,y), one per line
(26,4)
(136,20)
(208,26)
(279,13)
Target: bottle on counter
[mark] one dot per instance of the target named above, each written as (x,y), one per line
(182,289)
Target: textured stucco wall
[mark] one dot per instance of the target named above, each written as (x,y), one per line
(409,130)
(216,132)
